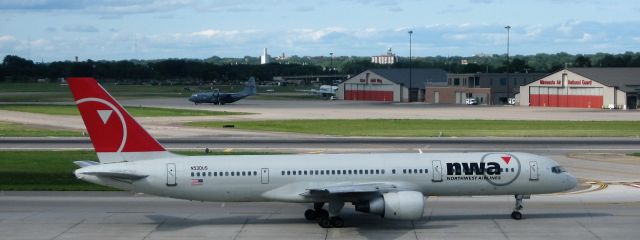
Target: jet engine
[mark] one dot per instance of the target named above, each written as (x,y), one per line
(404,205)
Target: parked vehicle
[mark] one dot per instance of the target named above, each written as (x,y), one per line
(471,101)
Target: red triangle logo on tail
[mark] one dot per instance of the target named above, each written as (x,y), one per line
(506,159)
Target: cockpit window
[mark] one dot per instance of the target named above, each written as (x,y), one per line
(557,169)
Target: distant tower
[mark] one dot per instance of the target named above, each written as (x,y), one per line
(264,58)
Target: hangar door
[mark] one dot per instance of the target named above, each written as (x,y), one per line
(368,92)
(582,97)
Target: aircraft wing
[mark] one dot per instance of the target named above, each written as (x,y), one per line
(353,192)
(355,188)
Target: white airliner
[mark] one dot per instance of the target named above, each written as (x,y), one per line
(389,185)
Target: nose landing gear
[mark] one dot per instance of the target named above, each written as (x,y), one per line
(516,210)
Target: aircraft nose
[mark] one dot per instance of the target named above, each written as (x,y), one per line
(571,182)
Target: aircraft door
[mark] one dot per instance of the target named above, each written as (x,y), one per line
(171,174)
(264,176)
(533,171)
(437,171)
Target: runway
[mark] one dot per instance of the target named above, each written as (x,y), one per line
(612,213)
(610,209)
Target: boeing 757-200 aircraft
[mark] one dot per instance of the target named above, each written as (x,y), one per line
(393,186)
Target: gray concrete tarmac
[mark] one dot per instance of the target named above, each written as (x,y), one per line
(607,209)
(613,213)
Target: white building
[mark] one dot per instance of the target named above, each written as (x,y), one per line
(388,58)
(585,88)
(264,58)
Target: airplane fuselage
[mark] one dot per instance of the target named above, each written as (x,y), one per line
(216,98)
(288,177)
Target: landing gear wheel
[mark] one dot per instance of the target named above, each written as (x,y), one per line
(324,222)
(518,206)
(310,214)
(516,215)
(321,213)
(337,222)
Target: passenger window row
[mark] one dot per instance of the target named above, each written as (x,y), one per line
(224,174)
(332,172)
(415,171)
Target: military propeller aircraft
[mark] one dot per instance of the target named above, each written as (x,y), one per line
(390,185)
(221,98)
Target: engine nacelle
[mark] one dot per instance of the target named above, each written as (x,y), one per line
(405,205)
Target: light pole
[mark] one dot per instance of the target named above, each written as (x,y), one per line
(410,80)
(508,62)
(331,63)
(508,39)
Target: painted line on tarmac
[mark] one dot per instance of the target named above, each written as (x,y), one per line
(635,185)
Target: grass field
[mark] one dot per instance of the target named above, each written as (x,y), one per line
(20,130)
(53,170)
(441,128)
(635,154)
(48,92)
(135,111)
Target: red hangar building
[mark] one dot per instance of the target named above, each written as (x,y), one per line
(584,88)
(391,84)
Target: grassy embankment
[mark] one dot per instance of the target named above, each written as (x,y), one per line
(20,130)
(635,154)
(135,111)
(53,170)
(441,128)
(51,92)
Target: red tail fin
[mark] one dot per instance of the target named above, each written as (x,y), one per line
(115,135)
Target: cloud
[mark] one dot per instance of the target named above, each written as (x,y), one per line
(81,28)
(304,9)
(464,39)
(105,7)
(482,1)
(6,38)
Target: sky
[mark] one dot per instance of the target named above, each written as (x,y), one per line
(54,30)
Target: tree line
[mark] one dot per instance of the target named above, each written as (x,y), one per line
(232,70)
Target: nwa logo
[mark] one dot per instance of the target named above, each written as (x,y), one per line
(496,168)
(491,168)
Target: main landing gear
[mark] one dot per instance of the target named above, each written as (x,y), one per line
(516,210)
(322,216)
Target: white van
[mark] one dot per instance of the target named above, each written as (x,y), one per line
(471,101)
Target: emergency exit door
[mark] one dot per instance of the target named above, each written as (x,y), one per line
(171,174)
(265,176)
(533,171)
(437,171)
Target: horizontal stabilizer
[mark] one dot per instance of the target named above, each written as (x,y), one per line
(120,175)
(85,163)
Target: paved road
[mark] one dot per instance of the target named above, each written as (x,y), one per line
(612,213)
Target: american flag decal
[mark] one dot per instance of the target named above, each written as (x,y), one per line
(197,181)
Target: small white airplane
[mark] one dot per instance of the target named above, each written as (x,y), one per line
(393,186)
(324,90)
